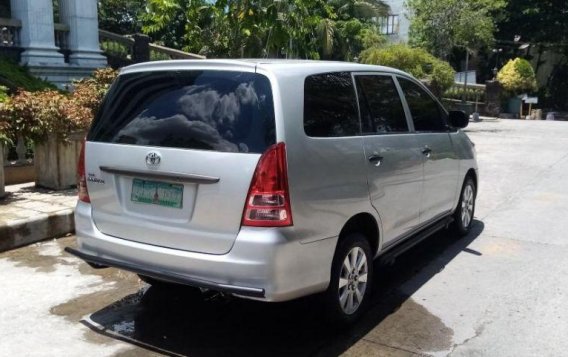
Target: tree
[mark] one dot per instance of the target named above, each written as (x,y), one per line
(262,28)
(121,16)
(236,28)
(543,25)
(439,26)
(517,76)
(351,28)
(178,23)
(416,61)
(538,22)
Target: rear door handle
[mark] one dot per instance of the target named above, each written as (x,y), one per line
(427,151)
(376,159)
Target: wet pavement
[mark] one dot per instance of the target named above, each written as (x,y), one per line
(116,312)
(501,291)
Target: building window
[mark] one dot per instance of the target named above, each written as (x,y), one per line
(389,25)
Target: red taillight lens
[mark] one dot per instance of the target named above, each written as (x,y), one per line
(82,177)
(268,201)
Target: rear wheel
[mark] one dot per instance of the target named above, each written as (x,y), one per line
(463,216)
(351,278)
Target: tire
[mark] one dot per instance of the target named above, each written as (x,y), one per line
(463,215)
(348,295)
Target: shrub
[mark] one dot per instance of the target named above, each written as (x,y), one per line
(422,65)
(34,115)
(5,137)
(89,92)
(517,76)
(471,94)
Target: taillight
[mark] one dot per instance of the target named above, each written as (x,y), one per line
(268,200)
(82,177)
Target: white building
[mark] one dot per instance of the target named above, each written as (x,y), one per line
(58,51)
(397,24)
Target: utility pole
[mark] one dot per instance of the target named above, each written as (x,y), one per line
(465,75)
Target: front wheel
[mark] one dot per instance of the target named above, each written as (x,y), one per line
(351,278)
(463,216)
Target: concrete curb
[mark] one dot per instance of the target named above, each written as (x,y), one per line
(26,231)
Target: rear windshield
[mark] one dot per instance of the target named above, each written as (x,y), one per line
(205,110)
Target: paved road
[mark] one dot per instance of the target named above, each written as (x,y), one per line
(501,291)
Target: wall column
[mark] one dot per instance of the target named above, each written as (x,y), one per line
(37,33)
(82,18)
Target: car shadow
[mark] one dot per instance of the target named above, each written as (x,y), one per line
(174,321)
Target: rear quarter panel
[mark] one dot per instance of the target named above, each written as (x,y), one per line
(465,151)
(327,176)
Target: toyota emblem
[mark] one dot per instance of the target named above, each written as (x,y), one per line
(153,159)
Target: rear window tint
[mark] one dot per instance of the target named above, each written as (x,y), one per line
(330,107)
(205,110)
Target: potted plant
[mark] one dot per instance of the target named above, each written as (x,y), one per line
(517,77)
(56,122)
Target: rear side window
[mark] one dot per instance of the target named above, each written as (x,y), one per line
(205,110)
(330,108)
(381,107)
(426,113)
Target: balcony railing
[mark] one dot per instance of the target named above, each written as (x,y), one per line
(10,32)
(116,45)
(125,50)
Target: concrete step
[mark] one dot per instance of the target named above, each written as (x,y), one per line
(29,214)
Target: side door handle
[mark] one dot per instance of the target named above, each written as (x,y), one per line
(376,159)
(427,151)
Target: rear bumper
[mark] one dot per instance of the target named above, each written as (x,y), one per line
(168,276)
(262,264)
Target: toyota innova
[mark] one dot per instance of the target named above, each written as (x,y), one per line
(269,179)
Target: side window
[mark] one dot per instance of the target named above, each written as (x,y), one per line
(330,108)
(426,114)
(381,107)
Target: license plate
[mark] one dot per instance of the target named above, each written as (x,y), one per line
(157,193)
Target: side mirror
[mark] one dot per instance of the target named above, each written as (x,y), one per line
(458,119)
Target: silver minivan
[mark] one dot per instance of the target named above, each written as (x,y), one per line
(269,179)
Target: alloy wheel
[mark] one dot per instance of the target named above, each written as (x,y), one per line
(353,280)
(467,206)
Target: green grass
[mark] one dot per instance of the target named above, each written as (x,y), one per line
(15,76)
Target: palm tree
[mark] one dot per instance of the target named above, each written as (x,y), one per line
(331,32)
(362,10)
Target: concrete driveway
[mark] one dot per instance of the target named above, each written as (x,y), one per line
(501,291)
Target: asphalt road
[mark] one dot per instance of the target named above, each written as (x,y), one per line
(501,291)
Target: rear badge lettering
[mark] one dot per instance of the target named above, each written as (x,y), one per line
(95,179)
